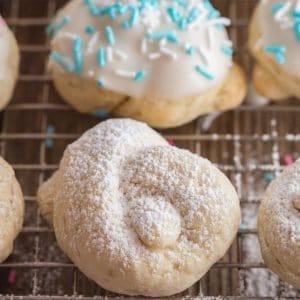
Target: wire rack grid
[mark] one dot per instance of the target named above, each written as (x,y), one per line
(246,144)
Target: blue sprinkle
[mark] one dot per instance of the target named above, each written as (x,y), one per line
(90,29)
(62,61)
(92,7)
(110,35)
(227,50)
(78,55)
(139,75)
(171,36)
(269,177)
(174,14)
(49,143)
(190,50)
(277,7)
(212,12)
(204,72)
(278,52)
(54,28)
(101,57)
(133,18)
(182,24)
(297,30)
(193,15)
(100,113)
(100,83)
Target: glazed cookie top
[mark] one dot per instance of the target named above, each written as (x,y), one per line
(4,49)
(280,29)
(167,48)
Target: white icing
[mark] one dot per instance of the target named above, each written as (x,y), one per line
(278,28)
(4,49)
(170,71)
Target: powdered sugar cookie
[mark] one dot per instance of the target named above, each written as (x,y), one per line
(136,215)
(11,209)
(279,225)
(163,62)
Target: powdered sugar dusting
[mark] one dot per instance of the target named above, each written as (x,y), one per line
(135,200)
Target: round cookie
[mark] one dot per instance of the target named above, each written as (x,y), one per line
(136,215)
(275,44)
(11,209)
(9,63)
(162,62)
(279,225)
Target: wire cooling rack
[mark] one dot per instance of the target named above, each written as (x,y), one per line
(247,144)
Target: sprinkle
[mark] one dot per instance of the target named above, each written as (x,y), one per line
(120,54)
(124,73)
(100,82)
(133,19)
(109,53)
(193,15)
(278,6)
(12,277)
(171,36)
(90,29)
(282,11)
(288,159)
(78,55)
(110,35)
(227,50)
(190,50)
(171,142)
(100,113)
(144,46)
(278,51)
(154,55)
(49,141)
(269,177)
(204,55)
(139,75)
(204,72)
(92,42)
(297,30)
(62,61)
(210,37)
(101,57)
(220,21)
(169,52)
(92,7)
(54,28)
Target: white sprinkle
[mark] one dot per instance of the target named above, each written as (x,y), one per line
(109,54)
(154,55)
(122,55)
(92,42)
(63,35)
(219,21)
(204,55)
(124,73)
(210,37)
(144,45)
(283,11)
(163,42)
(287,24)
(228,43)
(169,52)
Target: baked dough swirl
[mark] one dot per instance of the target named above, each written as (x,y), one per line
(279,225)
(136,215)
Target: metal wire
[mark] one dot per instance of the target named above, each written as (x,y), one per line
(245,144)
